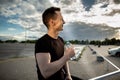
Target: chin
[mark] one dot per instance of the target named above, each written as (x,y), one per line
(61,29)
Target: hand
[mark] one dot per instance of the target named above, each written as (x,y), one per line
(69,52)
(68,78)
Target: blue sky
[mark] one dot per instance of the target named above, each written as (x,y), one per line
(18,17)
(88,4)
(9,28)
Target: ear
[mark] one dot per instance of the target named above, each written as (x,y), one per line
(51,22)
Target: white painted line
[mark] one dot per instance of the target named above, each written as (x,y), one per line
(108,74)
(105,75)
(110,62)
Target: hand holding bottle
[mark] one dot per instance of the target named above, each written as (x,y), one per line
(69,51)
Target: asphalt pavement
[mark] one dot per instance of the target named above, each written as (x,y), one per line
(23,68)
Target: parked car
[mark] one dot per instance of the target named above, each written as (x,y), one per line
(114,51)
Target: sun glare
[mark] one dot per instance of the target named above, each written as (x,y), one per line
(118,34)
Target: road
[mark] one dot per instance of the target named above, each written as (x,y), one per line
(15,50)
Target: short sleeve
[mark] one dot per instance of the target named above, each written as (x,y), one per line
(41,46)
(61,39)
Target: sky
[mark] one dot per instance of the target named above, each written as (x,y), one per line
(21,19)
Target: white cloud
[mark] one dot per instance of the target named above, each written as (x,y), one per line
(9,7)
(29,13)
(28,35)
(100,17)
(6,36)
(96,15)
(11,29)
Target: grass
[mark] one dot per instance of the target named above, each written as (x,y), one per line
(18,56)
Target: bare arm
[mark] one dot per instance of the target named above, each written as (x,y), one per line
(48,68)
(67,71)
(66,68)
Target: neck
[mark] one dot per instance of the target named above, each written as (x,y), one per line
(53,34)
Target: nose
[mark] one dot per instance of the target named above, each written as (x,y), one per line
(63,21)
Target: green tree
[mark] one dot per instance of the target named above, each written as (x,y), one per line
(1,41)
(11,41)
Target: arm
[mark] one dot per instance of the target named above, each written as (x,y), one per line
(48,68)
(67,71)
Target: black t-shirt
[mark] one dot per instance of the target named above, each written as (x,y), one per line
(56,49)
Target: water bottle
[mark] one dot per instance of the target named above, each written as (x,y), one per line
(68,45)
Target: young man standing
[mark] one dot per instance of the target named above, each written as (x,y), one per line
(51,58)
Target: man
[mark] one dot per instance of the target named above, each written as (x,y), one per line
(51,58)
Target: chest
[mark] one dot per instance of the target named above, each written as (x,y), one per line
(57,49)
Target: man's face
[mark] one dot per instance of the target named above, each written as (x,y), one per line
(58,22)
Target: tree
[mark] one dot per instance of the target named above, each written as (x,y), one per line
(11,41)
(1,41)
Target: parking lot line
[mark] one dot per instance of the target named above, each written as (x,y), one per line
(108,74)
(105,75)
(110,62)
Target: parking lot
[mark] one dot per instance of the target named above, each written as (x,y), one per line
(17,67)
(103,50)
(88,67)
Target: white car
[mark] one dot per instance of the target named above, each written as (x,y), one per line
(114,51)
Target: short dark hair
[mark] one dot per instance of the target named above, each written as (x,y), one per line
(48,14)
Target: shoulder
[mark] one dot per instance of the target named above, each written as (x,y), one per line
(42,39)
(42,44)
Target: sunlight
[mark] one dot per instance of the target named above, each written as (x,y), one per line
(118,37)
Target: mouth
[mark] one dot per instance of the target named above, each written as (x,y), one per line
(62,25)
